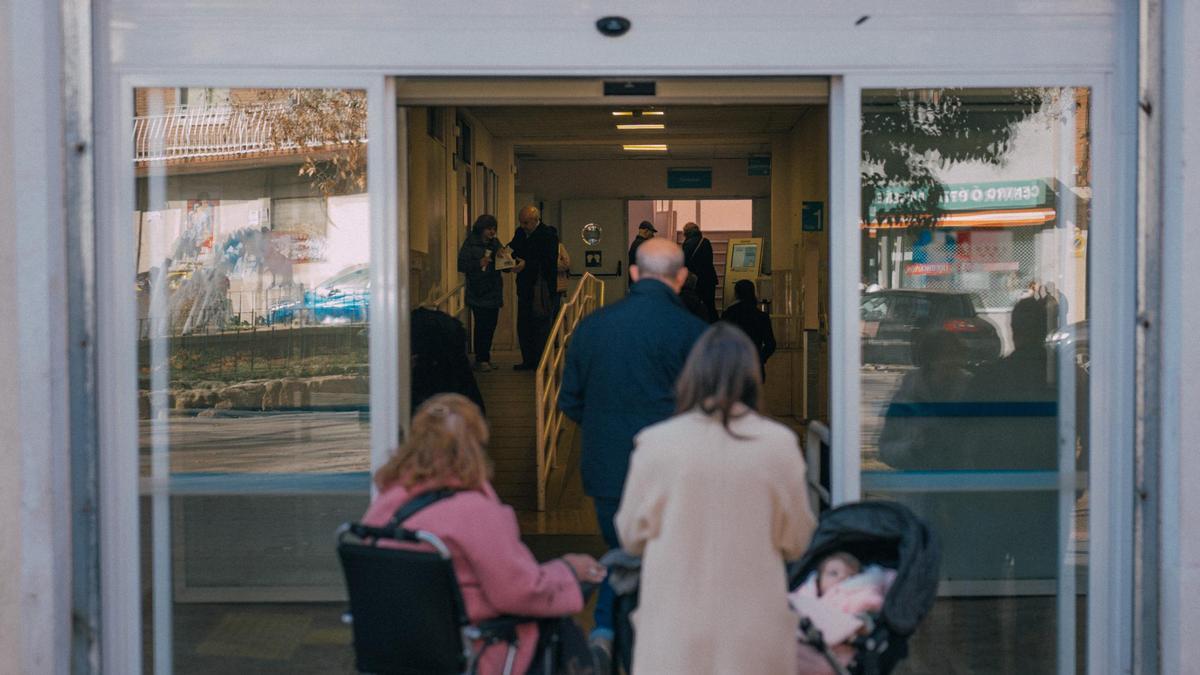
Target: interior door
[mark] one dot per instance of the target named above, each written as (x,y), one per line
(594,233)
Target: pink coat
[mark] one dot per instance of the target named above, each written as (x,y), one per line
(496,572)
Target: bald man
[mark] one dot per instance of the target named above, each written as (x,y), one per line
(536,247)
(619,378)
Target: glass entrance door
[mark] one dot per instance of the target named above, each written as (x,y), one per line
(257,294)
(972,371)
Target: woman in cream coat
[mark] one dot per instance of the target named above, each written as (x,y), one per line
(715,502)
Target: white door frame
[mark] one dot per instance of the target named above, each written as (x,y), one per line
(117,326)
(1109,607)
(1112,287)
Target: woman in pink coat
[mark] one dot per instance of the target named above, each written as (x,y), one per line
(496,572)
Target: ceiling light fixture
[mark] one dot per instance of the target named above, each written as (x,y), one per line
(630,127)
(645,147)
(653,112)
(622,113)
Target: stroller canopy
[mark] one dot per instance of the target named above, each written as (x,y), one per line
(887,534)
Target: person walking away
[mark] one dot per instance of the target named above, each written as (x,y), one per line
(755,323)
(498,575)
(692,300)
(715,502)
(537,273)
(698,256)
(619,378)
(562,281)
(645,232)
(484,286)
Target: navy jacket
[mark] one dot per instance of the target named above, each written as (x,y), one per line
(620,375)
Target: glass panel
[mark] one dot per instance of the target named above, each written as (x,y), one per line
(973,312)
(253,286)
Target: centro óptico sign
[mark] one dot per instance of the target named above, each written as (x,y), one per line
(1013,194)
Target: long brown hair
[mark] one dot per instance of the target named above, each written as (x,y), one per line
(445,448)
(721,371)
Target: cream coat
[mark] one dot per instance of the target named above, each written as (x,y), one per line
(714,518)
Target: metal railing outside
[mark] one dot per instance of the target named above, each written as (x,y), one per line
(187,132)
(588,296)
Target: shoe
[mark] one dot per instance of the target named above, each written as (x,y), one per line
(483,367)
(525,366)
(601,649)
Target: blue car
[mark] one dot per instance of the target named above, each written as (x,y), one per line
(344,298)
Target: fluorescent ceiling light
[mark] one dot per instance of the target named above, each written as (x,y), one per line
(653,112)
(646,147)
(628,127)
(622,113)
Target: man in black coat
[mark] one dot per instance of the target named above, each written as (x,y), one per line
(645,232)
(698,256)
(619,378)
(536,248)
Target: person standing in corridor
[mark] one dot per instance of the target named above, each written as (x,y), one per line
(484,287)
(619,378)
(537,279)
(645,232)
(698,256)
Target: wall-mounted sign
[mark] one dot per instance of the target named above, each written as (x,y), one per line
(689,179)
(759,165)
(592,258)
(812,216)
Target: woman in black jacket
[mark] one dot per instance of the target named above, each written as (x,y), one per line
(485,286)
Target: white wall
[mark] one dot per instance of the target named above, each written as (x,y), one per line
(35,551)
(1180,324)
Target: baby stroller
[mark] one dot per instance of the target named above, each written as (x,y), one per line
(880,533)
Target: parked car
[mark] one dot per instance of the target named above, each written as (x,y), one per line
(1075,338)
(343,298)
(893,320)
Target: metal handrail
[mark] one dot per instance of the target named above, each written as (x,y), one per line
(452,302)
(588,296)
(816,436)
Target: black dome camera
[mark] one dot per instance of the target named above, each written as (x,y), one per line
(613,26)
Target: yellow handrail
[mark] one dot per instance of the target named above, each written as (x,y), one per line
(453,302)
(588,296)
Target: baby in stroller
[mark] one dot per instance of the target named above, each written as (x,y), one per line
(839,599)
(868,578)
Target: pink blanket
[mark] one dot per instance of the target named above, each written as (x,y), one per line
(835,614)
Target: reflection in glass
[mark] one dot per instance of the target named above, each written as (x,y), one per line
(973,312)
(253,285)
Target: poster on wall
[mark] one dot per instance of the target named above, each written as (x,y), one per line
(196,236)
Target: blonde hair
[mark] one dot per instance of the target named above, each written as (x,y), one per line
(445,449)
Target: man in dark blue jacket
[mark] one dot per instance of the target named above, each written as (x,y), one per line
(619,378)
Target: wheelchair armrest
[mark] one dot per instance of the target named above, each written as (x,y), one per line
(500,629)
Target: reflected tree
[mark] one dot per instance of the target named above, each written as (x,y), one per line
(908,134)
(328,128)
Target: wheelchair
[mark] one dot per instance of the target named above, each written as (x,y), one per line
(407,613)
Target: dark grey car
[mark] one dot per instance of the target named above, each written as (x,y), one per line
(893,320)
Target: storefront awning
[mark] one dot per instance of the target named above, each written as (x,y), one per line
(972,219)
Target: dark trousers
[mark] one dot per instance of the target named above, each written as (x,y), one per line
(485,329)
(532,332)
(606,508)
